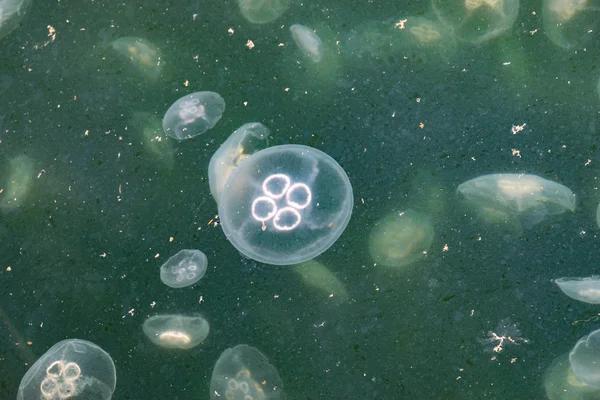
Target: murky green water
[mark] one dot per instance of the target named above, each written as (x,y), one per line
(103,210)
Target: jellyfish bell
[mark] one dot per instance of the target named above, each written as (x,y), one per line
(71,368)
(585,359)
(582,289)
(286,204)
(308,42)
(561,383)
(174,331)
(143,55)
(476,21)
(570,23)
(11,14)
(263,11)
(193,115)
(243,372)
(240,145)
(184,268)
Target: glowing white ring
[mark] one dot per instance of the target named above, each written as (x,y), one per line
(272,195)
(279,215)
(270,202)
(71,372)
(60,365)
(297,186)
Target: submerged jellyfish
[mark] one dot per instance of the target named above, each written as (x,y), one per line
(318,276)
(477,21)
(176,331)
(401,238)
(11,13)
(19,179)
(72,368)
(241,144)
(263,11)
(193,115)
(184,268)
(242,372)
(570,23)
(585,359)
(526,197)
(561,383)
(286,204)
(149,126)
(582,289)
(308,42)
(143,55)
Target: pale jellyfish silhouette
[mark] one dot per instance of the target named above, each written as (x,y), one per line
(582,289)
(528,199)
(19,179)
(476,21)
(11,13)
(263,11)
(149,126)
(242,372)
(320,278)
(184,268)
(561,383)
(241,144)
(570,23)
(286,204)
(308,42)
(73,368)
(142,54)
(585,359)
(176,331)
(401,238)
(193,115)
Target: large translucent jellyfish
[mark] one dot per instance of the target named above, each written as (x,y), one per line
(184,268)
(286,204)
(263,11)
(241,144)
(308,42)
(319,277)
(477,21)
(585,359)
(11,13)
(561,383)
(244,373)
(528,198)
(570,23)
(142,54)
(193,115)
(401,238)
(73,368)
(176,331)
(582,289)
(19,178)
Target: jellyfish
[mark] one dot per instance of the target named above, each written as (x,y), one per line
(11,13)
(308,42)
(529,198)
(149,126)
(176,331)
(401,238)
(241,144)
(476,21)
(193,115)
(582,289)
(263,11)
(71,368)
(561,383)
(184,268)
(319,277)
(585,359)
(143,55)
(570,23)
(286,204)
(19,179)
(243,372)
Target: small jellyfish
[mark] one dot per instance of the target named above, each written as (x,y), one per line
(286,204)
(11,13)
(176,331)
(263,11)
(72,368)
(143,54)
(401,238)
(582,289)
(241,144)
(308,42)
(184,268)
(528,198)
(242,372)
(149,127)
(193,115)
(570,23)
(561,383)
(585,359)
(319,277)
(19,179)
(476,21)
